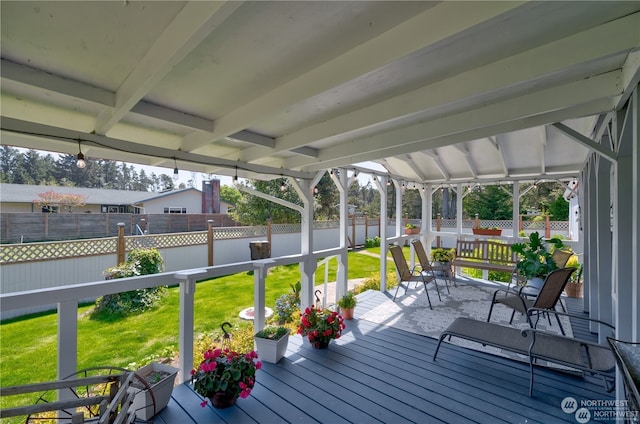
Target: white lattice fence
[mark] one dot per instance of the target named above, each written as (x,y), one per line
(56,250)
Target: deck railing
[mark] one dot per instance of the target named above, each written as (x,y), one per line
(67,299)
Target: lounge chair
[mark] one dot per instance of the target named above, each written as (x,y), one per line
(546,299)
(407,275)
(560,257)
(539,345)
(429,267)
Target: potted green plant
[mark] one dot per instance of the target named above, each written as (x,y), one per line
(224,375)
(536,259)
(574,285)
(409,228)
(442,255)
(271,343)
(347,304)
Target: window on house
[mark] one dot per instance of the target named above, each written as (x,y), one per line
(175,210)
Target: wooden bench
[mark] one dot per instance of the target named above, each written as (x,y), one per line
(486,255)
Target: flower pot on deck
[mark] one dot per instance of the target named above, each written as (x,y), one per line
(270,350)
(160,379)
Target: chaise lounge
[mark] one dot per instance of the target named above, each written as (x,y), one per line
(538,344)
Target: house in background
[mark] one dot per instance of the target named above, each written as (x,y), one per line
(21,198)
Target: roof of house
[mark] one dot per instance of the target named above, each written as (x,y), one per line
(24,193)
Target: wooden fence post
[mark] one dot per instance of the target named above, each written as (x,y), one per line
(547,227)
(269,232)
(121,243)
(210,241)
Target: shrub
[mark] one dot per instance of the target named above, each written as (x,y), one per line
(372,242)
(139,262)
(373,283)
(288,304)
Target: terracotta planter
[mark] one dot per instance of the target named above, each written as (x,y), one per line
(487,232)
(271,350)
(347,313)
(221,400)
(160,391)
(573,290)
(412,230)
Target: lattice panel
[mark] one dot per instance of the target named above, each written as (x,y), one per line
(166,240)
(56,250)
(560,225)
(285,228)
(239,232)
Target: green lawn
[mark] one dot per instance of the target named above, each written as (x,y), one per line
(28,345)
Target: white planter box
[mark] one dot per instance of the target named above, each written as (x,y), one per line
(143,402)
(271,350)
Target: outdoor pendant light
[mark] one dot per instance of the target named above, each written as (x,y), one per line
(80,162)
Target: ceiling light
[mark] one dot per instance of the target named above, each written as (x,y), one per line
(235,178)
(283,186)
(175,170)
(80,162)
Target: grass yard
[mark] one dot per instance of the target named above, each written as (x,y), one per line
(28,346)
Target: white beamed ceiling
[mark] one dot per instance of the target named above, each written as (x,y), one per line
(433,91)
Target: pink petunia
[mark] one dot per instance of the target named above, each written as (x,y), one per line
(203,403)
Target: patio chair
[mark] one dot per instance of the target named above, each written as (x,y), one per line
(545,301)
(560,257)
(428,267)
(405,274)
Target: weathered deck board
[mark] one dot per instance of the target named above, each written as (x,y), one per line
(376,373)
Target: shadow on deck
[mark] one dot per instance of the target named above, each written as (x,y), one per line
(375,373)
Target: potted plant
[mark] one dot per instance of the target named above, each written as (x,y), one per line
(271,343)
(442,255)
(347,304)
(409,228)
(574,285)
(485,231)
(320,326)
(159,379)
(536,260)
(224,375)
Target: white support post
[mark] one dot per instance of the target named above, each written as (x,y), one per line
(459,197)
(600,309)
(67,344)
(343,266)
(399,223)
(308,264)
(626,214)
(259,281)
(516,210)
(185,338)
(381,185)
(426,235)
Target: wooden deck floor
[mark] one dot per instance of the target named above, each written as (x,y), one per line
(376,373)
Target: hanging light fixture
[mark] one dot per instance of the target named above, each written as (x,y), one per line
(235,178)
(80,162)
(283,186)
(175,170)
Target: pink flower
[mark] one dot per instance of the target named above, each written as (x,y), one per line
(203,403)
(258,365)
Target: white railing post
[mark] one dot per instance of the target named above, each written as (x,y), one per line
(67,343)
(259,278)
(185,338)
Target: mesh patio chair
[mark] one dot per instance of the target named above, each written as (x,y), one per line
(406,275)
(546,300)
(427,266)
(560,257)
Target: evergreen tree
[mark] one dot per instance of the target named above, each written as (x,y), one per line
(9,158)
